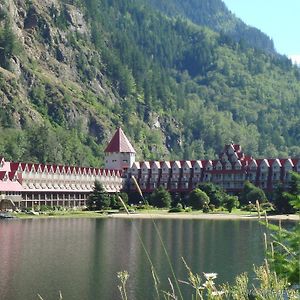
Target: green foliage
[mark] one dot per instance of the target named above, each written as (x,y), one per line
(99,198)
(8,44)
(288,202)
(115,201)
(198,199)
(251,193)
(231,202)
(215,15)
(178,208)
(140,67)
(215,193)
(284,251)
(160,198)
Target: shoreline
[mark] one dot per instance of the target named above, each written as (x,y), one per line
(203,216)
(163,215)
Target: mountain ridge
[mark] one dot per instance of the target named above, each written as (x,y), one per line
(215,15)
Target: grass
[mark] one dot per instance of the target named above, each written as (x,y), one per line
(62,214)
(235,211)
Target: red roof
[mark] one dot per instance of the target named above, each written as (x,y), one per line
(119,143)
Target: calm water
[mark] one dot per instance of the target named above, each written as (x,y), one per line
(81,257)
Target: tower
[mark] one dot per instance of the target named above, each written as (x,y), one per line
(119,154)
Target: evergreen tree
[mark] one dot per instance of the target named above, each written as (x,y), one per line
(99,198)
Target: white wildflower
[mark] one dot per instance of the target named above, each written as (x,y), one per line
(210,276)
(217,293)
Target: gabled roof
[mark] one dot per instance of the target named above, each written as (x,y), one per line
(119,143)
(136,165)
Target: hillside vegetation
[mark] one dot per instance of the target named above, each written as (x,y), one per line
(72,71)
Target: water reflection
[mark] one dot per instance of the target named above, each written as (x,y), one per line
(81,257)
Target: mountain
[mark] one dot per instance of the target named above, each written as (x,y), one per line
(72,71)
(215,15)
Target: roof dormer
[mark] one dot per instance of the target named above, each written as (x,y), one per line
(135,166)
(219,165)
(288,165)
(276,165)
(264,165)
(145,167)
(186,166)
(238,165)
(228,166)
(209,165)
(253,165)
(176,166)
(166,166)
(155,166)
(197,167)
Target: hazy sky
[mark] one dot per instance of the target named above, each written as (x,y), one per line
(279,19)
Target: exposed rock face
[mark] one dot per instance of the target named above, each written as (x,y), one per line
(52,66)
(76,19)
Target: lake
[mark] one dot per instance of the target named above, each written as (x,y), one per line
(81,257)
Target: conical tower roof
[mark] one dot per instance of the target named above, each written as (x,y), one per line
(119,143)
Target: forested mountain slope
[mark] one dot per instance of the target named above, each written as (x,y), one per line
(72,72)
(215,15)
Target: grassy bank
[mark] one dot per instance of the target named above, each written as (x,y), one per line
(62,214)
(154,213)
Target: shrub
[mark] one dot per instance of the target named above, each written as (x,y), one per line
(215,193)
(175,209)
(205,208)
(251,193)
(231,202)
(211,207)
(161,198)
(267,206)
(197,199)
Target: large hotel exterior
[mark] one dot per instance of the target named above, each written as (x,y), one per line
(28,184)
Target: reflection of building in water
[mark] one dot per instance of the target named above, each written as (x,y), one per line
(28,184)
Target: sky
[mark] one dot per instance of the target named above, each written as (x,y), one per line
(279,19)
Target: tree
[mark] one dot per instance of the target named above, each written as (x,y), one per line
(283,200)
(99,198)
(8,45)
(231,202)
(251,193)
(161,198)
(215,193)
(115,201)
(198,198)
